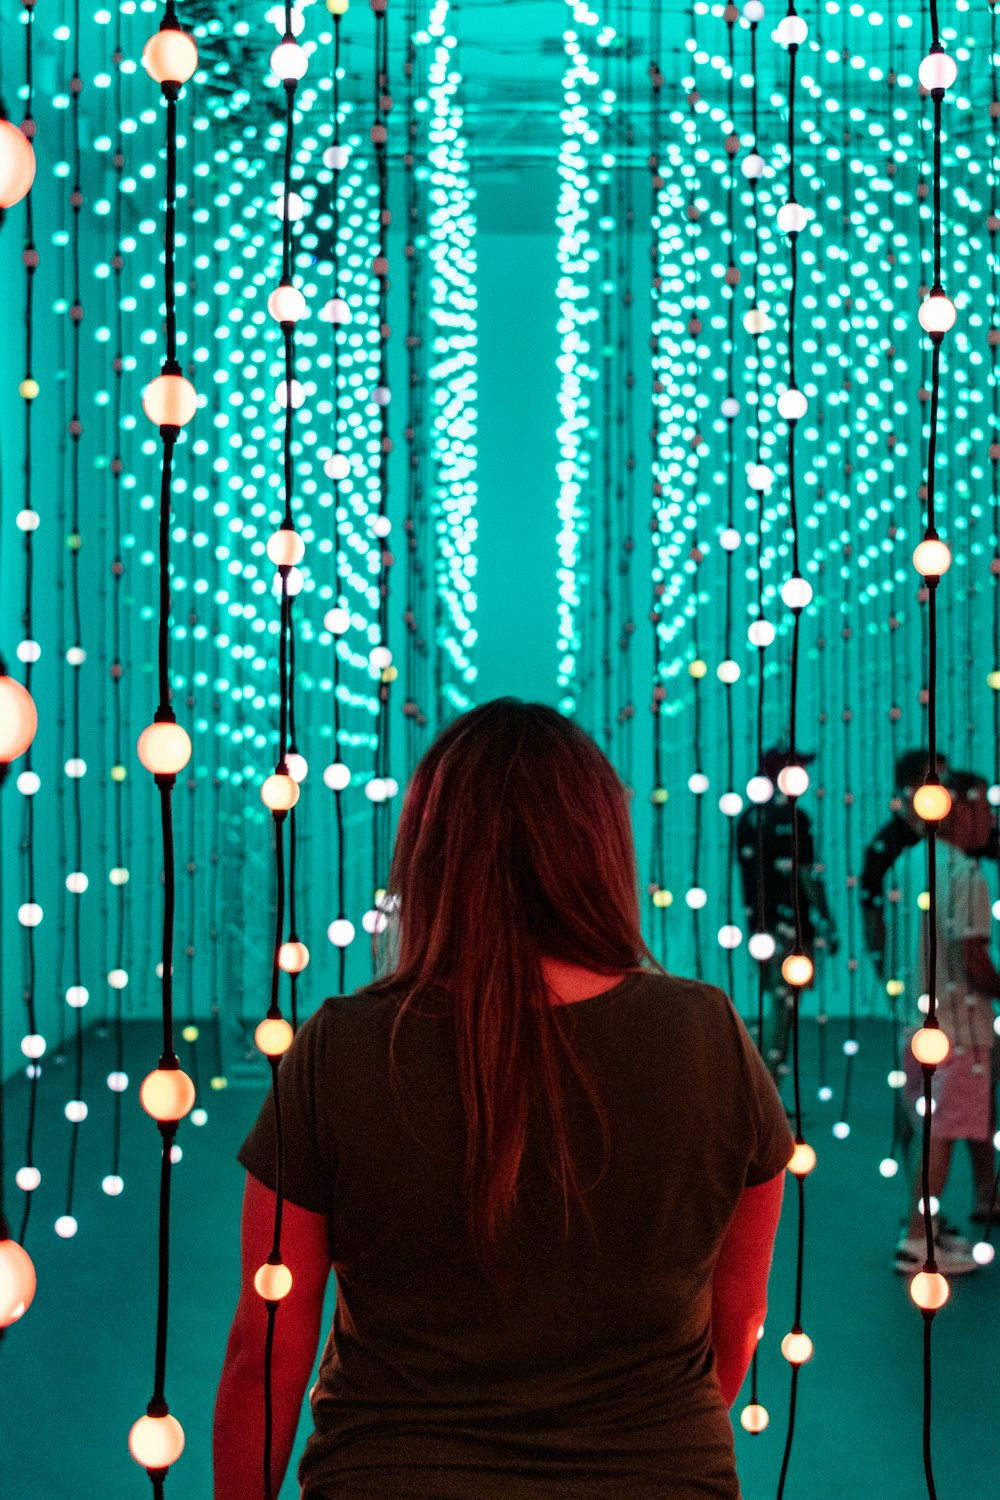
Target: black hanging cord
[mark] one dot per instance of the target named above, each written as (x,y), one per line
(658,795)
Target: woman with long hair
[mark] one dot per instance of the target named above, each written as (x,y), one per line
(546,1174)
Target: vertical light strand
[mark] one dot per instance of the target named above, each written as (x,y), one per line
(797,968)
(417,526)
(625,486)
(156,1440)
(19,719)
(932,558)
(280,791)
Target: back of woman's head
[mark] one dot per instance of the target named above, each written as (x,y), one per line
(514,843)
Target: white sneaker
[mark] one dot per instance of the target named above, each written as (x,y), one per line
(911,1252)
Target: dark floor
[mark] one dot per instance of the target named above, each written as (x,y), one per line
(77,1371)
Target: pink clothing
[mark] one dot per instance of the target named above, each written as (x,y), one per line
(961,1091)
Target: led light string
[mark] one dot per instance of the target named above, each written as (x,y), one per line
(754,1417)
(18,718)
(62,238)
(607,289)
(696,896)
(797,967)
(575,370)
(30,912)
(660,896)
(932,558)
(337,776)
(626,463)
(730,935)
(380,787)
(452,375)
(415,527)
(156,1440)
(280,791)
(76,881)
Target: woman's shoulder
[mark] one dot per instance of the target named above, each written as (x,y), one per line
(680,994)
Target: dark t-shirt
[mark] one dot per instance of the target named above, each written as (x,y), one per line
(769,824)
(591,1375)
(880,856)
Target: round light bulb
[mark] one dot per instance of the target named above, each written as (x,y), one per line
(698,783)
(17,164)
(797,1348)
(337,467)
(156,1442)
(791,31)
(929,1290)
(802,1159)
(888,1166)
(112,1185)
(797,970)
(285,548)
(937,71)
(33,1045)
(336,311)
(170,56)
(286,304)
(731,804)
(796,593)
(28,783)
(164,748)
(792,405)
(337,776)
(793,781)
(298,766)
(341,932)
(167,1094)
(66,1226)
(937,314)
(17,1282)
(792,218)
(760,789)
(297,207)
(170,401)
(932,558)
(289,62)
(730,937)
(293,387)
(337,620)
(27,1179)
(273,1282)
(930,1046)
(761,946)
(752,166)
(756,321)
(754,1418)
(18,719)
(728,672)
(932,803)
(729,539)
(376,790)
(274,1036)
(696,898)
(759,477)
(293,957)
(760,634)
(280,792)
(730,408)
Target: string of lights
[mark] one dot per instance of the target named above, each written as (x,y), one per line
(18,716)
(797,967)
(931,802)
(156,1440)
(415,526)
(625,458)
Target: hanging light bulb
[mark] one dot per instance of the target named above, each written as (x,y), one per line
(169,401)
(797,1347)
(796,593)
(793,781)
(18,719)
(17,164)
(802,1160)
(932,558)
(285,548)
(341,932)
(760,633)
(930,1046)
(274,1036)
(791,31)
(761,946)
(167,1094)
(929,1290)
(164,748)
(797,970)
(273,1282)
(937,71)
(792,217)
(156,1442)
(170,56)
(754,1417)
(17,1282)
(937,313)
(293,957)
(932,802)
(286,304)
(280,792)
(752,166)
(792,405)
(289,61)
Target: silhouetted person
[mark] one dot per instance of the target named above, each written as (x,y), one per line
(901,832)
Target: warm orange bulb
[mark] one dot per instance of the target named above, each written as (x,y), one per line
(797,969)
(170,401)
(156,1442)
(273,1037)
(803,1159)
(17,1282)
(273,1282)
(797,1347)
(286,304)
(279,792)
(18,719)
(293,957)
(754,1418)
(17,164)
(167,1094)
(164,748)
(170,57)
(932,803)
(930,1046)
(929,1290)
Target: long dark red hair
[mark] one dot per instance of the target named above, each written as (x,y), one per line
(514,843)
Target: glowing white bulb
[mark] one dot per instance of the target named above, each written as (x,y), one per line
(760,789)
(337,466)
(728,672)
(937,71)
(27,520)
(118,1082)
(730,408)
(336,311)
(75,768)
(33,1045)
(289,62)
(851,1047)
(896,1078)
(937,313)
(374,921)
(294,583)
(298,766)
(381,526)
(759,477)
(992,796)
(793,781)
(375,789)
(824,1094)
(337,620)
(66,1226)
(792,218)
(752,166)
(28,783)
(75,656)
(753,11)
(75,1111)
(983,1253)
(297,390)
(761,946)
(729,539)
(297,207)
(760,633)
(791,31)
(731,804)
(29,652)
(119,875)
(77,996)
(841,1130)
(796,593)
(379,658)
(696,898)
(29,914)
(112,1184)
(76,883)
(341,932)
(888,1166)
(335,158)
(337,777)
(118,978)
(792,405)
(730,936)
(698,783)
(27,1178)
